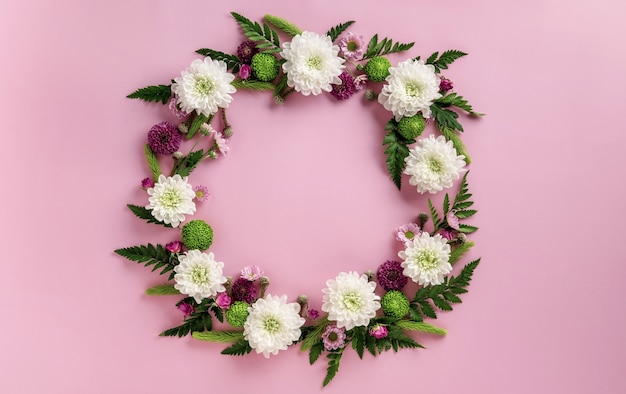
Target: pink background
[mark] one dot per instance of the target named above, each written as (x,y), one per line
(304,194)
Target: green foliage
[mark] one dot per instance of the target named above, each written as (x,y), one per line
(267,36)
(384,47)
(156,93)
(145,214)
(253,85)
(219,336)
(198,121)
(239,348)
(459,251)
(465,228)
(149,255)
(462,199)
(358,339)
(397,150)
(334,359)
(188,163)
(315,352)
(314,336)
(153,162)
(455,100)
(336,31)
(283,25)
(437,222)
(164,289)
(445,118)
(232,61)
(199,321)
(442,62)
(422,327)
(458,144)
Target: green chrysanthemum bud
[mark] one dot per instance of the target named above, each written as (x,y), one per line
(377,69)
(411,127)
(264,66)
(395,304)
(197,234)
(237,314)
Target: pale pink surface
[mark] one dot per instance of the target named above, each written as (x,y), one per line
(303,194)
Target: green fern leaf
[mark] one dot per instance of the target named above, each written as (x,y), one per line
(336,31)
(156,93)
(145,214)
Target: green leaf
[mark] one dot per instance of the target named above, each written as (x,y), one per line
(415,313)
(154,93)
(315,352)
(150,255)
(455,100)
(445,118)
(465,277)
(314,336)
(459,251)
(219,336)
(399,340)
(397,150)
(164,289)
(427,309)
(441,303)
(283,25)
(336,31)
(422,327)
(465,228)
(333,366)
(385,47)
(189,163)
(198,121)
(153,162)
(145,214)
(179,331)
(434,216)
(267,36)
(232,61)
(239,348)
(358,340)
(444,60)
(253,85)
(458,144)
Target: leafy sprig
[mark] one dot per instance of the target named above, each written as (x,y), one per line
(232,62)
(145,214)
(148,255)
(336,31)
(283,25)
(267,36)
(155,93)
(188,163)
(397,150)
(229,336)
(253,85)
(384,47)
(453,99)
(164,289)
(442,62)
(239,348)
(199,321)
(334,359)
(153,162)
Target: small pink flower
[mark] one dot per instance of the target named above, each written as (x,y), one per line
(202,193)
(407,232)
(173,106)
(334,337)
(313,314)
(447,234)
(223,300)
(379,331)
(220,143)
(244,71)
(174,247)
(252,273)
(147,183)
(360,82)
(452,220)
(445,85)
(186,309)
(352,46)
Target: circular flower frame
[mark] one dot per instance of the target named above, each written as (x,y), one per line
(369,311)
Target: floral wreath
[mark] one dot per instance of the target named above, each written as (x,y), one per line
(352,313)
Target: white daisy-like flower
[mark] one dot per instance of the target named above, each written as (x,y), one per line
(204,86)
(411,87)
(350,300)
(312,63)
(433,164)
(272,324)
(198,275)
(426,259)
(171,198)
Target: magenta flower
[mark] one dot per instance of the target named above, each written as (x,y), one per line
(186,309)
(246,50)
(334,337)
(147,183)
(245,71)
(172,105)
(251,273)
(379,331)
(452,220)
(352,46)
(445,84)
(346,89)
(447,234)
(390,275)
(313,314)
(164,138)
(223,300)
(243,290)
(202,193)
(174,247)
(407,232)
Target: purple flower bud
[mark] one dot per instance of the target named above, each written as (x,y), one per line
(445,84)
(223,300)
(186,308)
(147,183)
(313,314)
(379,331)
(244,71)
(174,247)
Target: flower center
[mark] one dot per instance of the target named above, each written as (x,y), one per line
(352,301)
(332,336)
(352,46)
(200,275)
(271,324)
(409,234)
(314,63)
(412,89)
(170,198)
(427,260)
(204,86)
(434,165)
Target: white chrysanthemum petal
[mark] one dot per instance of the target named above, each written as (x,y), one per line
(171,198)
(411,87)
(433,164)
(312,63)
(426,259)
(272,324)
(204,86)
(350,300)
(198,275)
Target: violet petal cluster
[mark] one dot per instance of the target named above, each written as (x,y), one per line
(390,276)
(164,138)
(243,290)
(346,89)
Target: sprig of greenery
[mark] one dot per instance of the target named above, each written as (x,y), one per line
(219,336)
(199,321)
(164,289)
(232,61)
(437,222)
(334,358)
(445,118)
(459,146)
(145,214)
(442,62)
(151,255)
(384,47)
(283,25)
(198,121)
(239,348)
(336,31)
(153,93)
(267,37)
(397,150)
(455,100)
(314,335)
(253,85)
(460,251)
(422,327)
(189,163)
(153,162)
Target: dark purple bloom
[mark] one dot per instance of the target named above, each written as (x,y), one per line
(447,234)
(186,309)
(445,84)
(346,89)
(243,290)
(246,50)
(174,247)
(390,276)
(245,71)
(164,138)
(379,331)
(313,314)
(147,183)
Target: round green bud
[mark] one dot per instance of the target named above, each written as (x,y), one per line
(264,66)
(377,69)
(237,314)
(411,127)
(197,234)
(395,304)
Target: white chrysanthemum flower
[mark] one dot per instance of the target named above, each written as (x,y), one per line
(272,324)
(349,300)
(433,164)
(204,86)
(312,63)
(411,87)
(171,198)
(426,259)
(198,275)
